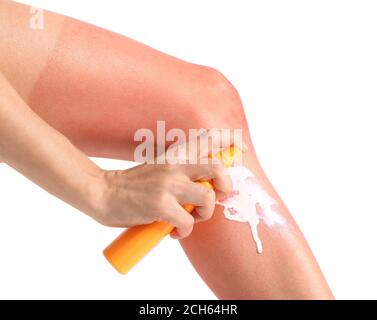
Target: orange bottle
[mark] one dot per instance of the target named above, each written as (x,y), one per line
(135,243)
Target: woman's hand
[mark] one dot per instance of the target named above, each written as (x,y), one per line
(141,195)
(154,192)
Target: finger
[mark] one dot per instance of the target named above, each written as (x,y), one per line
(205,143)
(201,197)
(181,219)
(221,180)
(193,193)
(221,195)
(204,213)
(214,171)
(214,140)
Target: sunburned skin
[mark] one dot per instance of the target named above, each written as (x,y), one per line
(250,203)
(95,76)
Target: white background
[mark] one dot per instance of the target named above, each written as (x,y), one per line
(307,73)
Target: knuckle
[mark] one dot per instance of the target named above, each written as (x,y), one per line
(209,195)
(188,229)
(164,183)
(190,221)
(162,197)
(207,214)
(188,224)
(163,214)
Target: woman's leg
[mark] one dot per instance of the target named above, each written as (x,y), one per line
(98,88)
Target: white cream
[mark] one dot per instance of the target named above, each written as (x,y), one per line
(250,203)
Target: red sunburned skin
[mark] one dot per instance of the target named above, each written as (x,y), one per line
(99,87)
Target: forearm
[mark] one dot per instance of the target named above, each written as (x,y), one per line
(42,154)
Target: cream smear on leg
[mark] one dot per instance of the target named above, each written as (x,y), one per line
(250,203)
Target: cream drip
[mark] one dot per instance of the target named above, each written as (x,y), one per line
(250,203)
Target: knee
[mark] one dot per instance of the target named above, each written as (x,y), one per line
(216,102)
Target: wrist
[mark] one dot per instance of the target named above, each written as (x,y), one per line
(99,192)
(94,191)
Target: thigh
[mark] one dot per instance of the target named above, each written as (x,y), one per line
(98,88)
